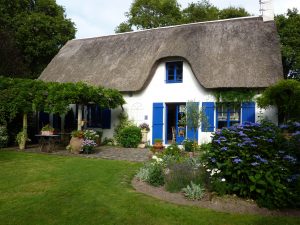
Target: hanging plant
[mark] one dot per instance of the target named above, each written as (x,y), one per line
(234,95)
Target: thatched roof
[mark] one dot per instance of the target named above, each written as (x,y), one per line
(242,52)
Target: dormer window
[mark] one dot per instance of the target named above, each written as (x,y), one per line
(174,72)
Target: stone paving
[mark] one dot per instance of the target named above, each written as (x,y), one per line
(105,152)
(118,153)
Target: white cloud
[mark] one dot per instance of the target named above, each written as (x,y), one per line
(101,17)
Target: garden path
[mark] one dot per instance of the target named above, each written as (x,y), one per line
(105,152)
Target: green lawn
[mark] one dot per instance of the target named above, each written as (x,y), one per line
(44,189)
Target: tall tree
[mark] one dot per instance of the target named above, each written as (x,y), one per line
(232,12)
(144,14)
(35,31)
(200,11)
(289,31)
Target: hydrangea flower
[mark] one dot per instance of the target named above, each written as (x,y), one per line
(290,158)
(237,160)
(224,149)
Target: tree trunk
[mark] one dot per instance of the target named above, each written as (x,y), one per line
(79,117)
(22,141)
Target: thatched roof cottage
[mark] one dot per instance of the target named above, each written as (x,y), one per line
(160,70)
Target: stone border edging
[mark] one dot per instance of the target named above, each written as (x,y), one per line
(229,205)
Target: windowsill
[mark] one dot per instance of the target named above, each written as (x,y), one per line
(173,82)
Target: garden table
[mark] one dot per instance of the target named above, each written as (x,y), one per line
(47,143)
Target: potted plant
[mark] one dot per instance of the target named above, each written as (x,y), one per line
(188,146)
(158,145)
(76,141)
(88,146)
(21,139)
(144,130)
(47,130)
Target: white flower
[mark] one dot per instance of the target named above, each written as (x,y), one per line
(208,170)
(154,157)
(223,179)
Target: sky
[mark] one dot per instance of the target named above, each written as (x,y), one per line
(100,17)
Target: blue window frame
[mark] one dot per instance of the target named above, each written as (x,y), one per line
(228,114)
(174,72)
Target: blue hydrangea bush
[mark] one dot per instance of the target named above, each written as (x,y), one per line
(258,162)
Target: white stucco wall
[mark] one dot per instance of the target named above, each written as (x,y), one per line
(139,105)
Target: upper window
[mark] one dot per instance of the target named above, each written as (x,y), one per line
(174,72)
(228,114)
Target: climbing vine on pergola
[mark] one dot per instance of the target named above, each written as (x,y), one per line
(25,96)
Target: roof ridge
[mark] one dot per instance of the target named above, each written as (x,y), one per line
(172,26)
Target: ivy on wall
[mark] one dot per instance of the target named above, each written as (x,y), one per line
(234,95)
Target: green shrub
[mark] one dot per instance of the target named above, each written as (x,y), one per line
(193,191)
(123,122)
(130,137)
(3,137)
(156,175)
(188,145)
(172,150)
(256,163)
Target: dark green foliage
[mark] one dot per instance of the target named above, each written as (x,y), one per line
(145,14)
(233,12)
(130,137)
(289,31)
(200,11)
(123,27)
(286,96)
(256,163)
(236,95)
(3,137)
(156,176)
(34,31)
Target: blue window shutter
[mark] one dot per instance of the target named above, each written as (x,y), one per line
(106,118)
(190,132)
(157,121)
(209,112)
(248,112)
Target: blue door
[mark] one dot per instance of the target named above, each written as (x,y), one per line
(157,122)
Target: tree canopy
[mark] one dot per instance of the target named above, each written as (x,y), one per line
(286,96)
(289,31)
(31,33)
(144,14)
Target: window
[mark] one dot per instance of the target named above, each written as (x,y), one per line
(174,72)
(98,118)
(228,114)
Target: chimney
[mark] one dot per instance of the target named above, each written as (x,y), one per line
(266,9)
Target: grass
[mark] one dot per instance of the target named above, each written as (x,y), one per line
(46,189)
